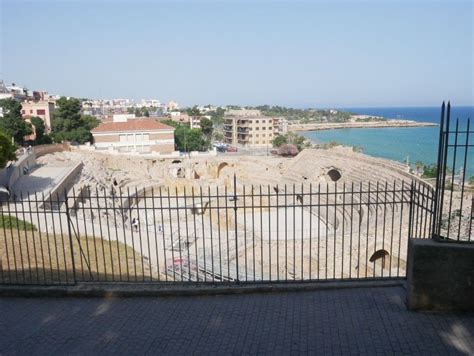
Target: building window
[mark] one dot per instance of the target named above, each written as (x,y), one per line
(256,121)
(31,111)
(264,128)
(263,121)
(40,112)
(23,112)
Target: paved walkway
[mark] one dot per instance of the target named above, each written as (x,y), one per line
(346,321)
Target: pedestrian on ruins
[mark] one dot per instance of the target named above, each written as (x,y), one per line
(135,223)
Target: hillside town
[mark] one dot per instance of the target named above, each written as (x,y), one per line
(150,127)
(125,125)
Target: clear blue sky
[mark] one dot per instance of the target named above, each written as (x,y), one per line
(294,53)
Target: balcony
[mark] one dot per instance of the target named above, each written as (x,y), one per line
(228,128)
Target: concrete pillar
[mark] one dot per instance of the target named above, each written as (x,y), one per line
(440,275)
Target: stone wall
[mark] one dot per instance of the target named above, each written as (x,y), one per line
(10,174)
(42,150)
(166,148)
(57,194)
(440,275)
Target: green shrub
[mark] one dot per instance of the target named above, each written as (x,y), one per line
(10,222)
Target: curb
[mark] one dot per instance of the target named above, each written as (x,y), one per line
(127,290)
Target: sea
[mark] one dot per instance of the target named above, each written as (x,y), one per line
(400,144)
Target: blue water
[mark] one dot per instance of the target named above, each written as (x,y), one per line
(417,143)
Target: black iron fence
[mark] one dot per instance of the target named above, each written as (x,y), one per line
(232,234)
(240,233)
(453,213)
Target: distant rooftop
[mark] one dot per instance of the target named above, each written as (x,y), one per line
(242,112)
(253,117)
(138,124)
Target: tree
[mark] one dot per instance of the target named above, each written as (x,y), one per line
(206,127)
(297,140)
(217,116)
(12,123)
(69,109)
(187,139)
(194,111)
(69,125)
(430,171)
(293,139)
(146,113)
(7,150)
(89,122)
(38,123)
(45,140)
(279,140)
(170,122)
(218,136)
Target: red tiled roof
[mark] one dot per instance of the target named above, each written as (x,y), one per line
(132,125)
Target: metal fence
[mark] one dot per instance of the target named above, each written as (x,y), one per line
(454,202)
(238,233)
(232,234)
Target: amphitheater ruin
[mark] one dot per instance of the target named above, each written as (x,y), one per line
(326,213)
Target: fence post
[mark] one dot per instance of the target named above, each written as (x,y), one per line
(442,169)
(235,229)
(68,216)
(410,214)
(438,183)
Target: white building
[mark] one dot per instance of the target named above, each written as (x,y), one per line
(143,135)
(195,121)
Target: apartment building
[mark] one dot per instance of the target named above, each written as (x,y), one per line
(252,131)
(143,135)
(41,108)
(195,121)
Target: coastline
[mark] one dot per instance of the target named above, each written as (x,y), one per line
(356,125)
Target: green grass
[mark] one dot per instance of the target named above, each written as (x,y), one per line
(41,258)
(10,222)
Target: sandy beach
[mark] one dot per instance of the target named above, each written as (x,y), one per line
(354,125)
